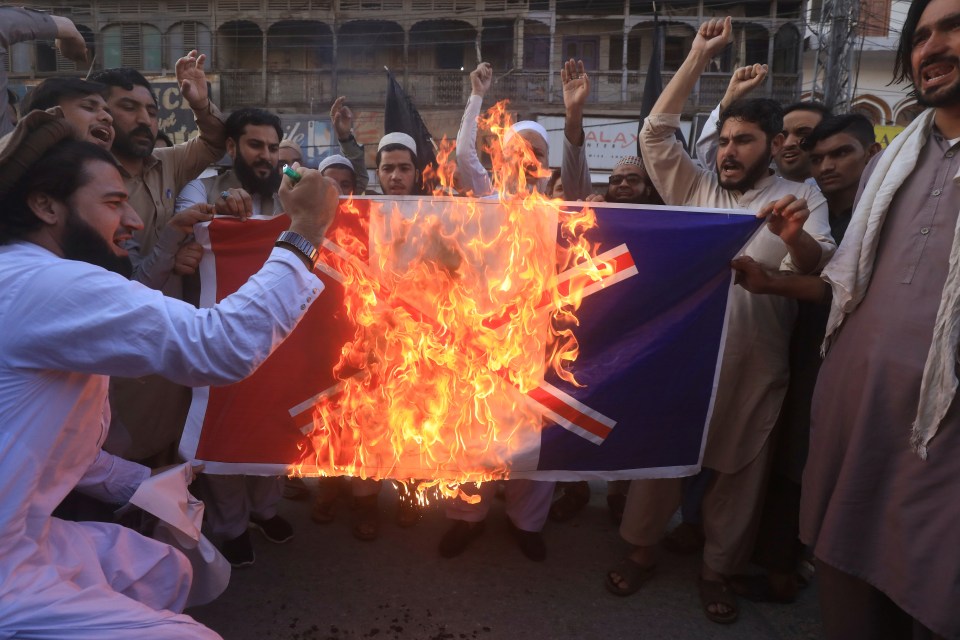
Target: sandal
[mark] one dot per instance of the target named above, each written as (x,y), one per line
(685,539)
(631,573)
(714,592)
(366,518)
(323,511)
(572,500)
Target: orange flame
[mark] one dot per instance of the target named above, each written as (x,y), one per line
(457,315)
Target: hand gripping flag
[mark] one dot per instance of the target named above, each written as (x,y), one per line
(650,337)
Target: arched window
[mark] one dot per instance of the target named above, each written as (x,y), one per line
(786,44)
(184,37)
(135,45)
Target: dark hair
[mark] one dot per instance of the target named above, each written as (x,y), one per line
(855,124)
(12,97)
(396,147)
(162,136)
(763,112)
(59,173)
(902,69)
(52,91)
(240,118)
(812,106)
(552,182)
(123,77)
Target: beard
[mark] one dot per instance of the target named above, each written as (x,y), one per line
(124,144)
(82,242)
(751,175)
(253,183)
(942,96)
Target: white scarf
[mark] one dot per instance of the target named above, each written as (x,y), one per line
(850,271)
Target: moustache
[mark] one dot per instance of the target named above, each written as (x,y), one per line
(142,129)
(938,59)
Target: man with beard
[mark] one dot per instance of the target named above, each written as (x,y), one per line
(799,119)
(236,502)
(754,369)
(839,149)
(629,184)
(68,324)
(879,501)
(149,413)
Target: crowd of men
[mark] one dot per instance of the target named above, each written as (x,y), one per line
(845,459)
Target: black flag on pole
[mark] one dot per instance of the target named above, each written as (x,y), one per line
(653,86)
(400,114)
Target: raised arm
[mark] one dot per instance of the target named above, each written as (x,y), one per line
(193,156)
(342,118)
(743,81)
(573,168)
(473,175)
(21,25)
(710,40)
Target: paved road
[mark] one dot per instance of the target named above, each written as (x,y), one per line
(326,585)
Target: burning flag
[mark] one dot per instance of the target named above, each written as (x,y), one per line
(448,346)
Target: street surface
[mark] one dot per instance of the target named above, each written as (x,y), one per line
(326,585)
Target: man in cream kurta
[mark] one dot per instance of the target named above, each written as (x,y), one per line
(754,370)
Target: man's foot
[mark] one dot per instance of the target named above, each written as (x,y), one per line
(628,576)
(531,543)
(295,489)
(458,537)
(718,600)
(686,539)
(574,496)
(275,529)
(239,551)
(322,511)
(366,518)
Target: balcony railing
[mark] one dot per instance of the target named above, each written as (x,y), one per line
(432,89)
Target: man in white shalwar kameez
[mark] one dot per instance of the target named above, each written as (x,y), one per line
(69,323)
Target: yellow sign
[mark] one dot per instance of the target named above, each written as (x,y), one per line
(886,133)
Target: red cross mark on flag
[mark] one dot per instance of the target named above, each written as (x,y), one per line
(551,402)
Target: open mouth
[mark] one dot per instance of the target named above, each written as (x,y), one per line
(118,242)
(102,134)
(729,167)
(937,73)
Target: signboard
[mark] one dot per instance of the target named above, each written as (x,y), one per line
(606,139)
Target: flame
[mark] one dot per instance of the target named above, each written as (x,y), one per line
(458,315)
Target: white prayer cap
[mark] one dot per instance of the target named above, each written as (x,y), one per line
(398,138)
(335,160)
(287,143)
(527,125)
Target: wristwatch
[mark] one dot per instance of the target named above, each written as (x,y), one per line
(295,241)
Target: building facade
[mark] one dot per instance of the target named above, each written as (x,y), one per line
(296,56)
(873,93)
